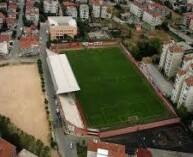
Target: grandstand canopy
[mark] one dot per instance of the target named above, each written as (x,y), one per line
(62,75)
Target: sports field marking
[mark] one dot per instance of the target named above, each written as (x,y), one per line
(112,86)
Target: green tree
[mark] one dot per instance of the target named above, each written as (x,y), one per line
(129,34)
(155,43)
(168,4)
(182,111)
(4,11)
(45,101)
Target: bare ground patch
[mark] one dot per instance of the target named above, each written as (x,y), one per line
(22,100)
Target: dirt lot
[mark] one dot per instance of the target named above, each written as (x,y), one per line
(21,99)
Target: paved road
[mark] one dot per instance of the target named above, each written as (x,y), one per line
(15,49)
(62,140)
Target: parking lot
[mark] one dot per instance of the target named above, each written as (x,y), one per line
(173,137)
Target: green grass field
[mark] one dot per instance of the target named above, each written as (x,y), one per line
(113,92)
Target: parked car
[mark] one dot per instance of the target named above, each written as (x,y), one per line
(70,145)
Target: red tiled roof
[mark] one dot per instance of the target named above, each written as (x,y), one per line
(142,152)
(4,38)
(157,5)
(181,72)
(12,6)
(10,21)
(27,30)
(187,58)
(189,15)
(66,4)
(95,2)
(115,150)
(7,149)
(99,2)
(12,15)
(176,48)
(2,4)
(152,13)
(27,41)
(140,5)
(189,5)
(167,42)
(189,81)
(2,16)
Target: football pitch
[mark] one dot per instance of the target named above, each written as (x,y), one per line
(113,92)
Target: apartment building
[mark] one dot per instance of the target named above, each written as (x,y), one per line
(173,60)
(179,80)
(10,23)
(12,15)
(98,148)
(100,9)
(82,1)
(29,45)
(7,149)
(4,48)
(2,19)
(51,6)
(186,95)
(152,18)
(12,8)
(106,11)
(159,9)
(3,5)
(96,8)
(137,8)
(61,25)
(180,90)
(32,14)
(187,20)
(189,7)
(72,11)
(164,53)
(84,11)
(190,1)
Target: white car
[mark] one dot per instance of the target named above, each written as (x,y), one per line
(70,145)
(57,111)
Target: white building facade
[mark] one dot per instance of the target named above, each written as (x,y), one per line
(51,6)
(137,8)
(72,11)
(152,18)
(104,12)
(180,77)
(173,60)
(186,96)
(4,48)
(96,10)
(164,54)
(84,11)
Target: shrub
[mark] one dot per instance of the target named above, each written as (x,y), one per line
(45,101)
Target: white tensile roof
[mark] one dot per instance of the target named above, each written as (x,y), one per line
(62,74)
